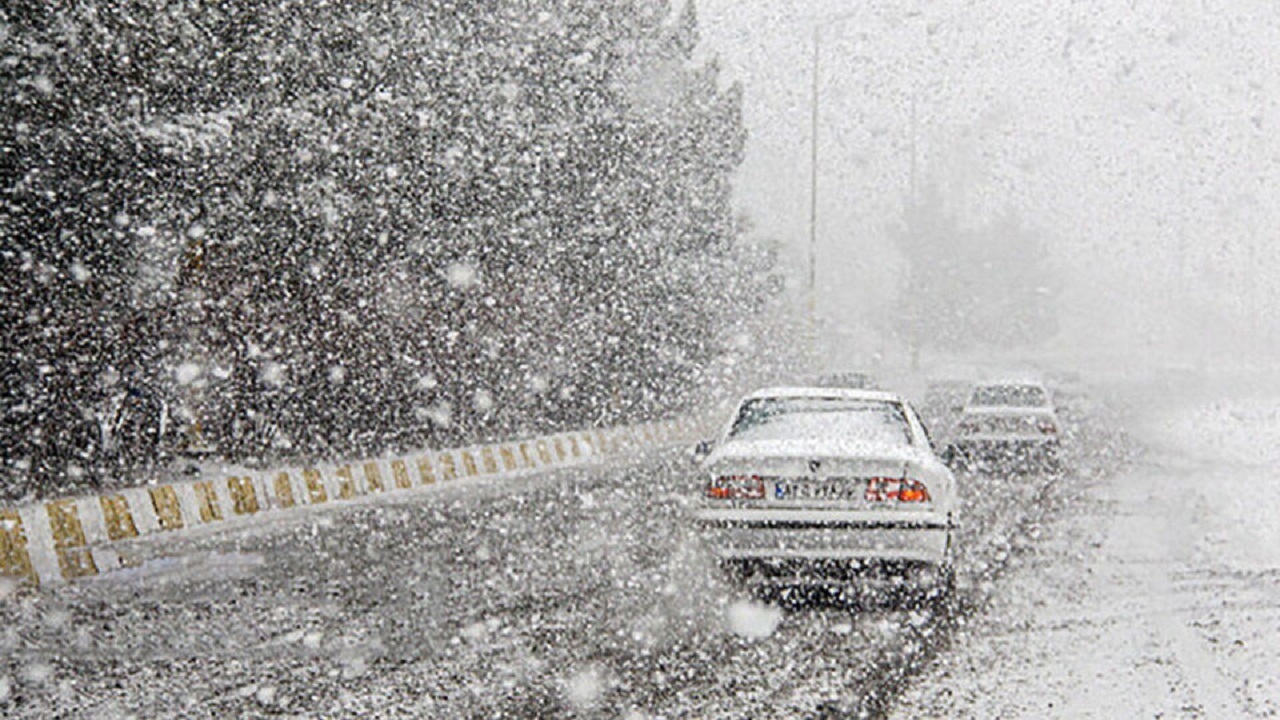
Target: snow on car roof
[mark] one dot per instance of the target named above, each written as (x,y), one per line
(825,392)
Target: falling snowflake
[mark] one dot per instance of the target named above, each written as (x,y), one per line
(752,620)
(462,275)
(187,373)
(272,374)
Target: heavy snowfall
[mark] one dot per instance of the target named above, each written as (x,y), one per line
(639,359)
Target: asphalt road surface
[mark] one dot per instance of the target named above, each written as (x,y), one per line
(577,593)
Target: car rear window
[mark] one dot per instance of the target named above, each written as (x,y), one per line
(811,418)
(1010,396)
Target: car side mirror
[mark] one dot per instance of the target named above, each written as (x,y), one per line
(948,455)
(701,451)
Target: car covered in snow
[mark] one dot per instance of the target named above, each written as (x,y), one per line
(1008,425)
(828,487)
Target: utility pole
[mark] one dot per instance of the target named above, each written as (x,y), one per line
(813,194)
(914,127)
(917,320)
(814,107)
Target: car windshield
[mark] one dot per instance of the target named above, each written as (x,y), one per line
(814,418)
(1009,396)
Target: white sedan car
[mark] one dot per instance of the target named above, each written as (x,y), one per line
(825,486)
(1008,425)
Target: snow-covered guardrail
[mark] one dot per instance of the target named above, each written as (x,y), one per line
(60,540)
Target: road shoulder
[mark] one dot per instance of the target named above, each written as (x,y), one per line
(1127,605)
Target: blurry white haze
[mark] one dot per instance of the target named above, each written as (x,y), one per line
(1137,139)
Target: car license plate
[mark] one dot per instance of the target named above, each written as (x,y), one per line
(826,490)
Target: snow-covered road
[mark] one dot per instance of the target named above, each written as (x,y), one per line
(1156,595)
(578,592)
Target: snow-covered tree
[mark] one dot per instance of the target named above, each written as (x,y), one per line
(321,228)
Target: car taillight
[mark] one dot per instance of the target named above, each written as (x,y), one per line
(899,489)
(736,487)
(1047,427)
(913,491)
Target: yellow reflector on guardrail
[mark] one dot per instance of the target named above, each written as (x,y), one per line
(244,498)
(316,493)
(117,518)
(165,501)
(469,465)
(508,458)
(487,461)
(400,475)
(74,559)
(346,483)
(207,501)
(284,490)
(425,471)
(373,478)
(448,471)
(15,561)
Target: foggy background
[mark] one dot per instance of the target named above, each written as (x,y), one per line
(1138,138)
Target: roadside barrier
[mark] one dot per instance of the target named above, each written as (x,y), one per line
(60,540)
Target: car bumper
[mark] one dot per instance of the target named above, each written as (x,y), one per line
(845,539)
(1008,449)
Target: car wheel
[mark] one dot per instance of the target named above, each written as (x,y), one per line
(1051,462)
(941,597)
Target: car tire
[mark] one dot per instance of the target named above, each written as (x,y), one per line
(941,597)
(1051,461)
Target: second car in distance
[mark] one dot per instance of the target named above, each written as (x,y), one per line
(1008,425)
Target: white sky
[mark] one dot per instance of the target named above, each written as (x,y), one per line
(1142,134)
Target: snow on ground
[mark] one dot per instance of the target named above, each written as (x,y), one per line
(1158,596)
(578,592)
(1246,432)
